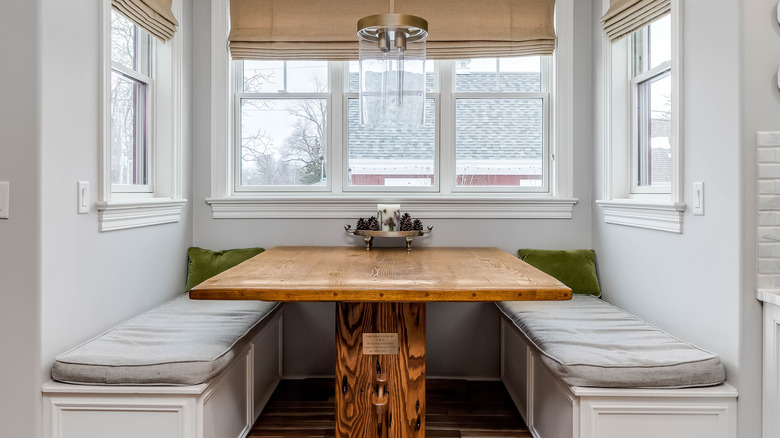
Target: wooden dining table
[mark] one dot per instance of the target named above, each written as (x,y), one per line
(381,297)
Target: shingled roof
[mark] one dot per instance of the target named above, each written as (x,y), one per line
(486,129)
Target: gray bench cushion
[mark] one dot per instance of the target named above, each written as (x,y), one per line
(588,342)
(182,342)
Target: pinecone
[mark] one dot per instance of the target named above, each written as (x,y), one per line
(373,223)
(362,224)
(406,222)
(417,225)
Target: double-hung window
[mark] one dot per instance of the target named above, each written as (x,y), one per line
(643,151)
(141,173)
(132,88)
(495,141)
(651,108)
(294,130)
(282,125)
(501,119)
(387,158)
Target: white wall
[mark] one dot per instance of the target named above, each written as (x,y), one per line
(760,104)
(462,338)
(699,285)
(61,281)
(92,281)
(20,236)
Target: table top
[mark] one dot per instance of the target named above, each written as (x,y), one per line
(316,273)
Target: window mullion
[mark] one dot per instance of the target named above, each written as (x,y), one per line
(446,128)
(141,135)
(235,156)
(238,76)
(546,71)
(237,88)
(336,138)
(640,172)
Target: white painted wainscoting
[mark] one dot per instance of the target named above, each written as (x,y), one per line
(552,409)
(225,407)
(771,378)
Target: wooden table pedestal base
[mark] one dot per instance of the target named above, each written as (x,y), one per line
(356,372)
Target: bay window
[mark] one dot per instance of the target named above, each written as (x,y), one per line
(496,125)
(286,135)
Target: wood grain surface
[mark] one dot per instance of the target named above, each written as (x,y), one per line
(382,274)
(356,371)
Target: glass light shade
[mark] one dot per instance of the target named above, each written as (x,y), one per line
(392,79)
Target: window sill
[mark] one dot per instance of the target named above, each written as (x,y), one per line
(661,216)
(420,206)
(134,213)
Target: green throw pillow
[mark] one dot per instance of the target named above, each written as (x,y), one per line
(575,268)
(204,264)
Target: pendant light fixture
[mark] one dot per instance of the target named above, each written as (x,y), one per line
(392,68)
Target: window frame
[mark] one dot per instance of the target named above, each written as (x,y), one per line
(622,201)
(638,142)
(545,94)
(343,135)
(239,95)
(160,201)
(147,51)
(641,74)
(445,174)
(556,202)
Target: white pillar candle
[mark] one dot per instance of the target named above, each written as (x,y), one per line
(389,216)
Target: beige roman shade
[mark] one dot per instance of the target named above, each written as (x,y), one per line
(627,16)
(154,16)
(327,29)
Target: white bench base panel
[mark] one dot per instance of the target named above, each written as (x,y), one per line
(225,407)
(552,409)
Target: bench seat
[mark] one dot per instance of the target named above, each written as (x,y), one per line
(588,342)
(182,342)
(586,369)
(185,369)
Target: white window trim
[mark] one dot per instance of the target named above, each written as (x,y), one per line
(557,203)
(351,192)
(149,112)
(662,212)
(164,204)
(635,83)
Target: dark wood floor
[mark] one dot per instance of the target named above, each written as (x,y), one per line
(456,408)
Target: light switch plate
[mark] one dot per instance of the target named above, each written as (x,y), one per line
(83,197)
(5,199)
(698,199)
